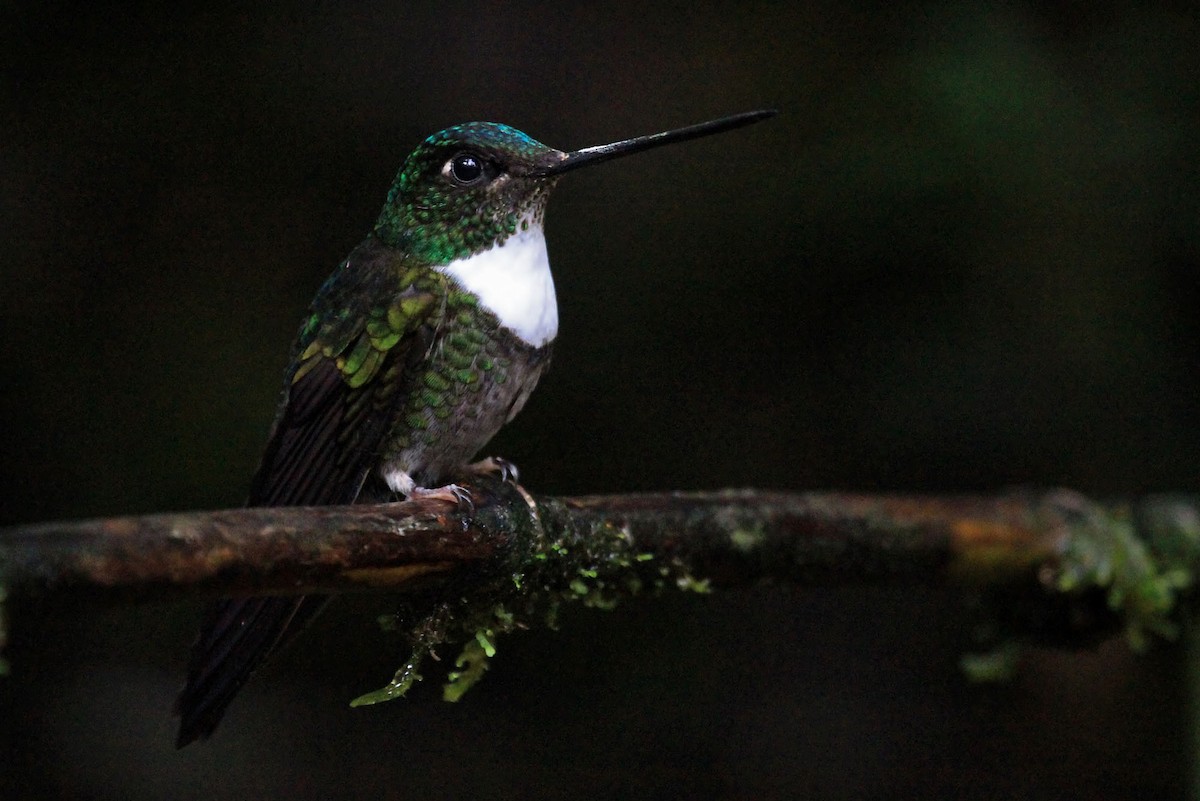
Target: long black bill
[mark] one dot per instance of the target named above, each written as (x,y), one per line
(599,153)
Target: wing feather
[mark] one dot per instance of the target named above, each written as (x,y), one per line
(368,322)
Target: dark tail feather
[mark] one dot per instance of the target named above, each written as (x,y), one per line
(235,637)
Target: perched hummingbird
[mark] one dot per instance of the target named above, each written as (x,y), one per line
(428,338)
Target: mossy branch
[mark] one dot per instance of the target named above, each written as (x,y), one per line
(1053,565)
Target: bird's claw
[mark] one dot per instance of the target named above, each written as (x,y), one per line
(493,465)
(451,493)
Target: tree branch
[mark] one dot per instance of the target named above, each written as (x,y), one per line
(1076,566)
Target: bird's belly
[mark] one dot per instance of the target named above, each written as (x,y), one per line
(464,397)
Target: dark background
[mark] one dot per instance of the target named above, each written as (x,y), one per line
(964,257)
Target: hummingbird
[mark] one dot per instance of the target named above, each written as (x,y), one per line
(424,341)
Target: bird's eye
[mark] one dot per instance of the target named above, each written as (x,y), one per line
(465,168)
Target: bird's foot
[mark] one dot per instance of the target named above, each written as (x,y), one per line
(451,493)
(495,465)
(404,485)
(507,471)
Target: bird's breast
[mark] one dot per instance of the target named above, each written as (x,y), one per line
(512,280)
(477,377)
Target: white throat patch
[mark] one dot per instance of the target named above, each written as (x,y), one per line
(513,282)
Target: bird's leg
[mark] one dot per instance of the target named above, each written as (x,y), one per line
(404,484)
